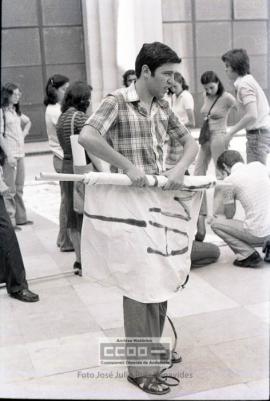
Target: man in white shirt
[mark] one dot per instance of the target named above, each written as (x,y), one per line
(253,106)
(250,185)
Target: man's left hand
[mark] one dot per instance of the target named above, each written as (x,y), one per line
(175,179)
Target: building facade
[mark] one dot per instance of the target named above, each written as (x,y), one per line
(96,40)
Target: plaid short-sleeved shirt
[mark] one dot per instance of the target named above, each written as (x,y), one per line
(140,137)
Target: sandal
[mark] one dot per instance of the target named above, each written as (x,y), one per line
(175,357)
(173,378)
(150,384)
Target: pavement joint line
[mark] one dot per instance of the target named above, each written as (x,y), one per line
(57,275)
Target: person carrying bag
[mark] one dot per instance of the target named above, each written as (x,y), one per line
(213,139)
(74,107)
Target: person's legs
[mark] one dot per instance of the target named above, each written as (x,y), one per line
(252,147)
(143,320)
(12,267)
(75,236)
(73,221)
(203,159)
(63,239)
(20,215)
(264,145)
(201,166)
(9,173)
(236,237)
(218,146)
(203,253)
(258,145)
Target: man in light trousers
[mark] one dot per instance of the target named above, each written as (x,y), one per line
(249,184)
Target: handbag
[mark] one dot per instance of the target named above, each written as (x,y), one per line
(205,130)
(79,167)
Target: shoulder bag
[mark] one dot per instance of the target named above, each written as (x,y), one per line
(205,131)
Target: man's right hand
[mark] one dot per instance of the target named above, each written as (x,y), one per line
(11,161)
(137,177)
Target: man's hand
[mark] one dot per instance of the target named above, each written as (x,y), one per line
(137,177)
(11,161)
(4,189)
(175,178)
(25,132)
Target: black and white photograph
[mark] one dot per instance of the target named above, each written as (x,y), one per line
(135,200)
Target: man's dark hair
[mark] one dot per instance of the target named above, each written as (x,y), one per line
(77,95)
(181,80)
(210,76)
(154,55)
(238,60)
(126,75)
(229,157)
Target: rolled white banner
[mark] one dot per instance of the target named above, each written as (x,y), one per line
(96,178)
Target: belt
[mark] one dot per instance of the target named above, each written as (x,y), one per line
(256,130)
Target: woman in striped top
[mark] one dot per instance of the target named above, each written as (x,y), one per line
(54,93)
(73,117)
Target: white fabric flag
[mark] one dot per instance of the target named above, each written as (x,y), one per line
(139,239)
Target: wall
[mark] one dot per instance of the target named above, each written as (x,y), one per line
(202,30)
(40,38)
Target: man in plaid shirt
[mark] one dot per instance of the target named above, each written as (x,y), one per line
(128,131)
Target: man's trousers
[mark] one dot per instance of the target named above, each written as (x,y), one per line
(12,271)
(144,320)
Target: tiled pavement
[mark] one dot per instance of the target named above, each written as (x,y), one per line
(49,349)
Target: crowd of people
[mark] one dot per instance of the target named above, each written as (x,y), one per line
(155,91)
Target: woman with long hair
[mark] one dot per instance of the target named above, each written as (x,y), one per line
(12,271)
(224,101)
(220,103)
(74,107)
(54,93)
(182,103)
(14,128)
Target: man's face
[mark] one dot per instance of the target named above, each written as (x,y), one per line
(231,74)
(131,78)
(226,170)
(162,80)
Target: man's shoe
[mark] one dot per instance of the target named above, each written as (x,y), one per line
(25,295)
(77,268)
(175,357)
(71,249)
(266,250)
(26,222)
(252,260)
(267,256)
